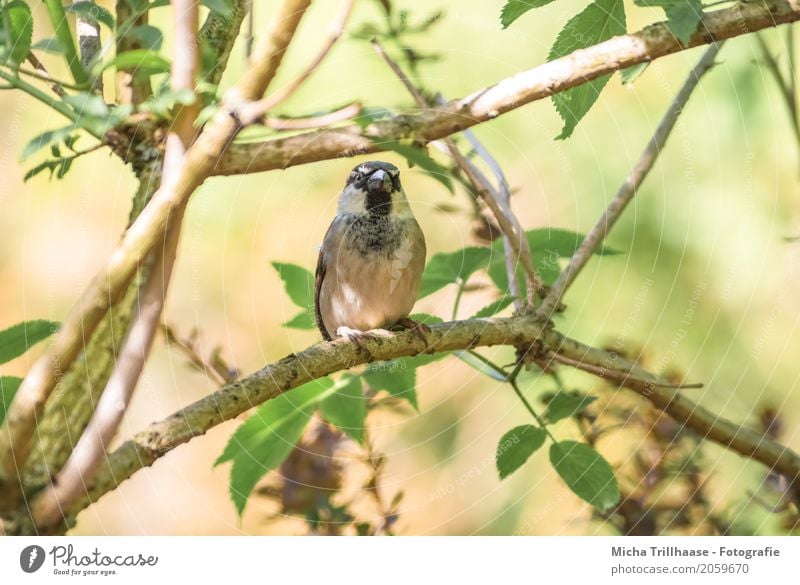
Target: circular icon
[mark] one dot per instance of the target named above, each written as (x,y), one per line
(31,558)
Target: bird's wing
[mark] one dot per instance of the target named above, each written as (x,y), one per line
(320,276)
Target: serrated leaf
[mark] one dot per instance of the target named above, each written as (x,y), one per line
(516,8)
(494,307)
(632,73)
(598,22)
(8,388)
(304,320)
(19,338)
(139,62)
(398,377)
(516,447)
(426,319)
(419,157)
(562,242)
(18,25)
(298,283)
(480,366)
(586,473)
(371,114)
(346,407)
(566,404)
(50,45)
(46,165)
(221,7)
(88,104)
(446,268)
(149,37)
(268,436)
(91,11)
(683,16)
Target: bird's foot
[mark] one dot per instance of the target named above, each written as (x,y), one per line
(358,337)
(418,328)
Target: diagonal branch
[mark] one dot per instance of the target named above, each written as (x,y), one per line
(327,358)
(630,187)
(649,44)
(141,237)
(506,220)
(47,508)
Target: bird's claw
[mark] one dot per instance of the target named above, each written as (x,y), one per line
(358,337)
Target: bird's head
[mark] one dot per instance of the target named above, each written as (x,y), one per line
(373,188)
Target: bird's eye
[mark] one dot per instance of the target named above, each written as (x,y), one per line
(354,177)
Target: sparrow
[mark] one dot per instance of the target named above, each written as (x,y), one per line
(372,258)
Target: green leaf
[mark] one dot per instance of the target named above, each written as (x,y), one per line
(298,282)
(221,7)
(346,408)
(566,404)
(46,139)
(419,157)
(92,11)
(18,339)
(398,377)
(268,437)
(632,73)
(304,320)
(480,365)
(88,104)
(446,268)
(598,22)
(516,447)
(426,319)
(495,307)
(8,388)
(683,16)
(370,114)
(586,473)
(149,37)
(547,245)
(18,29)
(516,8)
(139,61)
(51,45)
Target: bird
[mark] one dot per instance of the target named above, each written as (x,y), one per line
(371,260)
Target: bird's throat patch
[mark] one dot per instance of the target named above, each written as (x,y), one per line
(379,202)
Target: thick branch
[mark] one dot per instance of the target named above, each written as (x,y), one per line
(651,43)
(327,358)
(630,187)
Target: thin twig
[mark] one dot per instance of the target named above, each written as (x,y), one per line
(212,366)
(786,87)
(622,378)
(40,72)
(490,196)
(334,33)
(629,188)
(343,114)
(84,461)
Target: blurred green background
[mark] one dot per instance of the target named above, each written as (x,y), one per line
(708,282)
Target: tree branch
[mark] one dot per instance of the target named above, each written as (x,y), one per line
(630,187)
(327,358)
(47,508)
(506,220)
(649,44)
(141,237)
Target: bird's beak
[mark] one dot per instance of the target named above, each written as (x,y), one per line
(379,181)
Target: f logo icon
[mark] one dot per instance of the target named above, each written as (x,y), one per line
(31,558)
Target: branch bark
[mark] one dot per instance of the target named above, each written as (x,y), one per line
(649,44)
(326,358)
